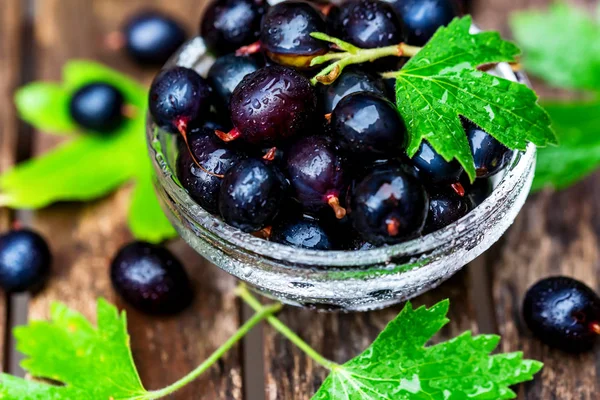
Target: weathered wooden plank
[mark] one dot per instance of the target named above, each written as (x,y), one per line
(84,237)
(10,63)
(290,374)
(555,234)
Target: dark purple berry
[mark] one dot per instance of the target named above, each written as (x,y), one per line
(252,193)
(285,33)
(151,279)
(489,154)
(214,156)
(422,18)
(433,168)
(97,107)
(564,313)
(25,261)
(477,191)
(226,74)
(389,206)
(316,174)
(445,208)
(152,38)
(269,105)
(367,126)
(302,233)
(230,24)
(351,81)
(366,24)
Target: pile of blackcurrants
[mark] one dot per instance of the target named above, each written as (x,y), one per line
(318,167)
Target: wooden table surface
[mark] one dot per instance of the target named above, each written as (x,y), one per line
(556,233)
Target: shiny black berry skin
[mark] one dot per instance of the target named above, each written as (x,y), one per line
(316,173)
(285,33)
(422,18)
(151,279)
(367,126)
(445,208)
(226,74)
(152,38)
(389,206)
(25,261)
(252,193)
(564,313)
(97,107)
(214,156)
(230,24)
(477,191)
(178,98)
(271,104)
(434,168)
(351,81)
(489,154)
(302,233)
(366,24)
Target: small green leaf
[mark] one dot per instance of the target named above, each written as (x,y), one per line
(578,128)
(46,107)
(561,45)
(442,83)
(399,366)
(91,363)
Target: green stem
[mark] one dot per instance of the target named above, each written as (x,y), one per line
(261,314)
(280,327)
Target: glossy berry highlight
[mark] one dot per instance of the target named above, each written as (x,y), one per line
(302,233)
(489,154)
(151,279)
(98,107)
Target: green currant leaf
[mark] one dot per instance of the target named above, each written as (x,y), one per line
(399,366)
(561,45)
(441,83)
(578,128)
(46,107)
(91,363)
(90,166)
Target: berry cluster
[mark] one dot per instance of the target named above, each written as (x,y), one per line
(319,167)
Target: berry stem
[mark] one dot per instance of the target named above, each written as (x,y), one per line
(270,156)
(182,128)
(595,326)
(458,188)
(244,294)
(252,48)
(393,226)
(228,136)
(262,312)
(353,55)
(334,202)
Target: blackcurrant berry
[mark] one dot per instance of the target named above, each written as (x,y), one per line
(230,24)
(302,233)
(316,174)
(252,193)
(97,107)
(563,312)
(25,261)
(367,126)
(445,208)
(152,38)
(151,279)
(214,156)
(285,34)
(433,168)
(226,74)
(178,98)
(271,104)
(366,24)
(489,154)
(422,18)
(477,191)
(352,80)
(389,206)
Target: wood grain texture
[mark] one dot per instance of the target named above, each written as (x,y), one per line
(10,62)
(84,237)
(340,337)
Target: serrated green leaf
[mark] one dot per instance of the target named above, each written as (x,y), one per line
(398,366)
(46,107)
(578,128)
(561,45)
(92,363)
(442,83)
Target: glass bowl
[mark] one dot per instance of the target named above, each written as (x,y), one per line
(335,280)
